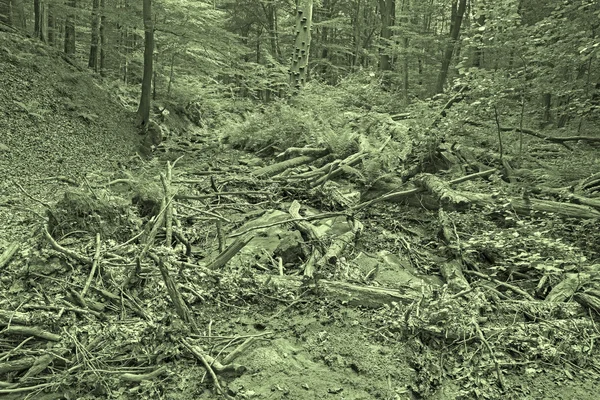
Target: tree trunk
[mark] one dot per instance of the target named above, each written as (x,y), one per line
(478,53)
(143,111)
(271,16)
(457,12)
(5,18)
(93,59)
(102,38)
(387,8)
(547,106)
(40,16)
(356,36)
(12,13)
(299,67)
(70,29)
(51,26)
(325,37)
(171,75)
(154,74)
(37,12)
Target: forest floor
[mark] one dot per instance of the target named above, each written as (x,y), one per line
(96,304)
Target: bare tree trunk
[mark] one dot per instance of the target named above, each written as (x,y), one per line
(478,53)
(457,13)
(51,26)
(93,59)
(5,17)
(12,13)
(387,8)
(102,38)
(143,111)
(356,36)
(299,67)
(37,12)
(40,16)
(171,75)
(70,29)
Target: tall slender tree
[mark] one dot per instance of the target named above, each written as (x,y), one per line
(70,28)
(95,24)
(387,8)
(143,111)
(299,67)
(458,10)
(102,33)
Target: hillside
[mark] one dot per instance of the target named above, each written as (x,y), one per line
(292,252)
(56,121)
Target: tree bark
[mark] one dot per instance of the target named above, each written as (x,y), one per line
(51,26)
(356,35)
(12,13)
(458,10)
(5,18)
(93,59)
(36,18)
(40,16)
(143,111)
(299,67)
(70,29)
(102,32)
(387,8)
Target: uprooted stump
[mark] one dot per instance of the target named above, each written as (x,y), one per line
(96,212)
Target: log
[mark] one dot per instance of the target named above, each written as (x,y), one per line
(354,295)
(276,169)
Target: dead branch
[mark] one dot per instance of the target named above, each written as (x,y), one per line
(94,266)
(400,195)
(302,151)
(8,253)
(230,251)
(278,168)
(65,251)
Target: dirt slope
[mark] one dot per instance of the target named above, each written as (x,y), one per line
(55,120)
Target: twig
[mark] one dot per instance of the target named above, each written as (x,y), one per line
(31,197)
(209,196)
(209,213)
(287,221)
(499,132)
(231,251)
(166,182)
(144,377)
(500,283)
(67,252)
(492,354)
(26,389)
(239,350)
(94,266)
(8,253)
(195,351)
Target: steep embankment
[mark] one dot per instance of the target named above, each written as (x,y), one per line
(55,120)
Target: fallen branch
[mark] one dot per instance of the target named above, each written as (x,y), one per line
(399,195)
(209,196)
(143,377)
(94,266)
(291,220)
(65,251)
(229,252)
(276,169)
(8,253)
(31,331)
